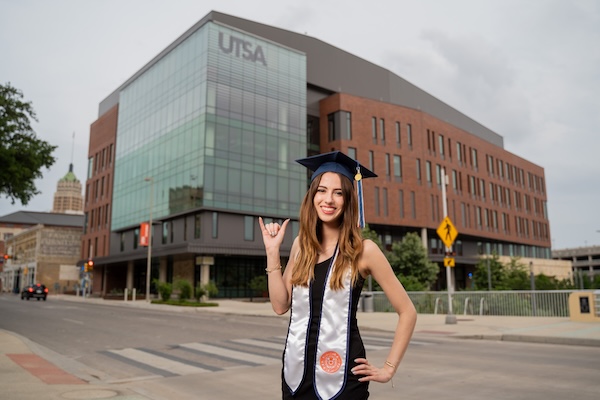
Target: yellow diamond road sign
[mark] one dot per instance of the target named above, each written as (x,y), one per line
(447,232)
(448,262)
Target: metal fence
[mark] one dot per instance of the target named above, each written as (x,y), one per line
(543,303)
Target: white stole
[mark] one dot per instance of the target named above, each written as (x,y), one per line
(332,339)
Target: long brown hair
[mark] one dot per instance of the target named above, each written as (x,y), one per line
(310,236)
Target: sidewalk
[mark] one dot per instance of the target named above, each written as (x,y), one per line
(27,373)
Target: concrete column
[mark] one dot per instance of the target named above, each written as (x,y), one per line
(130,275)
(424,238)
(205,263)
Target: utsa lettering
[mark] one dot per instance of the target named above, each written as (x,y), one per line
(242,48)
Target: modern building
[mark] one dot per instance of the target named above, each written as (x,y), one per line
(44,249)
(68,198)
(202,140)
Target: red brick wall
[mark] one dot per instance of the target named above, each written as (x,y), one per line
(363,110)
(98,188)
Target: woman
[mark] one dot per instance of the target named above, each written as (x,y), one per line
(324,356)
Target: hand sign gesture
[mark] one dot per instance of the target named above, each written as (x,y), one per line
(273,233)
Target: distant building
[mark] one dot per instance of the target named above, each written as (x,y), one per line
(586,261)
(44,248)
(68,198)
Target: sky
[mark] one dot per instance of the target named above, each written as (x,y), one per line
(528,70)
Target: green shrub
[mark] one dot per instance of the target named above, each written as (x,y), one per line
(209,289)
(185,289)
(165,289)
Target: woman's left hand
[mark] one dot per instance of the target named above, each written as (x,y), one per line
(371,372)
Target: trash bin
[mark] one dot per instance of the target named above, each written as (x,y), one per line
(367,302)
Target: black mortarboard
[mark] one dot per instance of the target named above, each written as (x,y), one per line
(336,161)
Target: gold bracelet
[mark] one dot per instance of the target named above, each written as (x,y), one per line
(389,364)
(273,269)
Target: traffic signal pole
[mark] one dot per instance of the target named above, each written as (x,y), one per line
(450,317)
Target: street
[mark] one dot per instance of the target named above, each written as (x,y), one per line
(158,352)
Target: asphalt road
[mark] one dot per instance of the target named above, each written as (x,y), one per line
(240,355)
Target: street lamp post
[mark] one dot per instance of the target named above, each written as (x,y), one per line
(149,262)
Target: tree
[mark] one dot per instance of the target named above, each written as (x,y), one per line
(22,154)
(368,233)
(409,261)
(512,276)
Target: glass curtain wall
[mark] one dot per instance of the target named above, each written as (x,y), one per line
(216,123)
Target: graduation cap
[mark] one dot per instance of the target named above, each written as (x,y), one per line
(336,161)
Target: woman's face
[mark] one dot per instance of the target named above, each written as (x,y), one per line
(329,198)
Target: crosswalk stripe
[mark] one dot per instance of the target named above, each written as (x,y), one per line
(158,362)
(220,351)
(260,343)
(377,339)
(369,347)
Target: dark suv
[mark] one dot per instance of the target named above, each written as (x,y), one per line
(37,291)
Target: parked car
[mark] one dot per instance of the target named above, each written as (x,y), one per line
(37,291)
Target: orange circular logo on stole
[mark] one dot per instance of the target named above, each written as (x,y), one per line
(330,362)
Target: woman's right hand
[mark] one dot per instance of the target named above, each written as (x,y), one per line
(273,233)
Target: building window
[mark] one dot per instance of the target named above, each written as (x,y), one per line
(482,189)
(248,228)
(401,202)
(385,202)
(371,162)
(215,225)
(454,181)
(382,130)
(331,128)
(377,212)
(474,160)
(397,168)
(352,153)
(413,205)
(418,171)
(185,224)
(387,166)
(428,172)
(374,129)
(398,135)
(409,135)
(338,122)
(441,145)
(165,232)
(136,237)
(348,127)
(90,167)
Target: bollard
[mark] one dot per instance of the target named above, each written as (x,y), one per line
(125,295)
(133,294)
